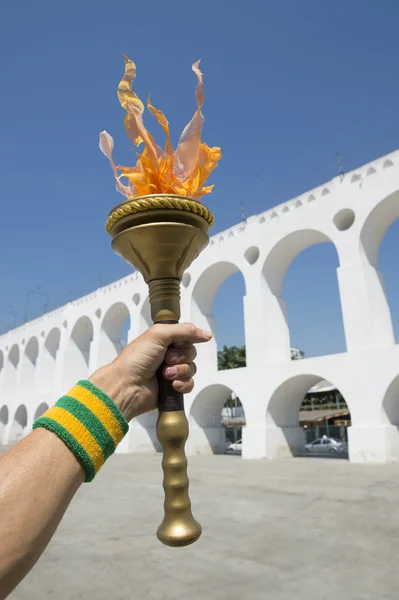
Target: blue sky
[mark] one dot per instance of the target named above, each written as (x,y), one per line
(287,84)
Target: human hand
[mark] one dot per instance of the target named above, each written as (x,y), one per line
(130,380)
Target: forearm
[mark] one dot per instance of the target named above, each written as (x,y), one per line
(38,479)
(40,475)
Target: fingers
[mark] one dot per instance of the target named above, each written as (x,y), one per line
(185,387)
(181,376)
(180,372)
(180,355)
(180,333)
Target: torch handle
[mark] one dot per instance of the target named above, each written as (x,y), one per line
(178,528)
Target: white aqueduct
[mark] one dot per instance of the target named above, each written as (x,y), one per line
(40,360)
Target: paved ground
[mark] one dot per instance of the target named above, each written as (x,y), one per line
(283,530)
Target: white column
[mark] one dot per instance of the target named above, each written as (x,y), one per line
(8,427)
(365,309)
(373,443)
(283,442)
(60,362)
(254,441)
(206,440)
(40,367)
(254,321)
(95,360)
(266,326)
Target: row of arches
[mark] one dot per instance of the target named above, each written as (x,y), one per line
(23,371)
(289,424)
(218,298)
(281,271)
(13,427)
(310,282)
(307,284)
(281,417)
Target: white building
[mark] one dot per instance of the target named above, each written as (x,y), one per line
(42,359)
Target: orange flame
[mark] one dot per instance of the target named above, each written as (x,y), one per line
(183,171)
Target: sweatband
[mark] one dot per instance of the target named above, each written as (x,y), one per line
(89,423)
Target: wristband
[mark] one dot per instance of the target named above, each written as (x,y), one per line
(89,423)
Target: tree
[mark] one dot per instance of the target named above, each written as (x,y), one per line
(231,357)
(297,353)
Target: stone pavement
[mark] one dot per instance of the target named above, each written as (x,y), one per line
(298,529)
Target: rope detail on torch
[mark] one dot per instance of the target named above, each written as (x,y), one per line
(138,205)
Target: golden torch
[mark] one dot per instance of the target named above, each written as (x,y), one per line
(160,229)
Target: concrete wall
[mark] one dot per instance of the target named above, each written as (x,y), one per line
(41,359)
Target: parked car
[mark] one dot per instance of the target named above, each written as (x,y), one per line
(235,446)
(327,444)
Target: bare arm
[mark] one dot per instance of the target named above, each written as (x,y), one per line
(40,475)
(39,478)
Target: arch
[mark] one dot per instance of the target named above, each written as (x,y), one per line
(114,331)
(13,355)
(41,409)
(4,415)
(77,352)
(387,275)
(203,301)
(145,315)
(390,405)
(209,282)
(52,342)
(28,365)
(209,435)
(284,404)
(19,424)
(82,335)
(275,266)
(376,225)
(46,366)
(285,437)
(142,436)
(32,350)
(11,373)
(311,299)
(283,253)
(207,407)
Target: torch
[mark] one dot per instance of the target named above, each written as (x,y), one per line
(160,229)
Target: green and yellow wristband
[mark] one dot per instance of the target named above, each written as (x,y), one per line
(89,423)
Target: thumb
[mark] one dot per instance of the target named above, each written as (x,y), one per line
(181,333)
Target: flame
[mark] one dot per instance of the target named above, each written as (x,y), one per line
(183,171)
